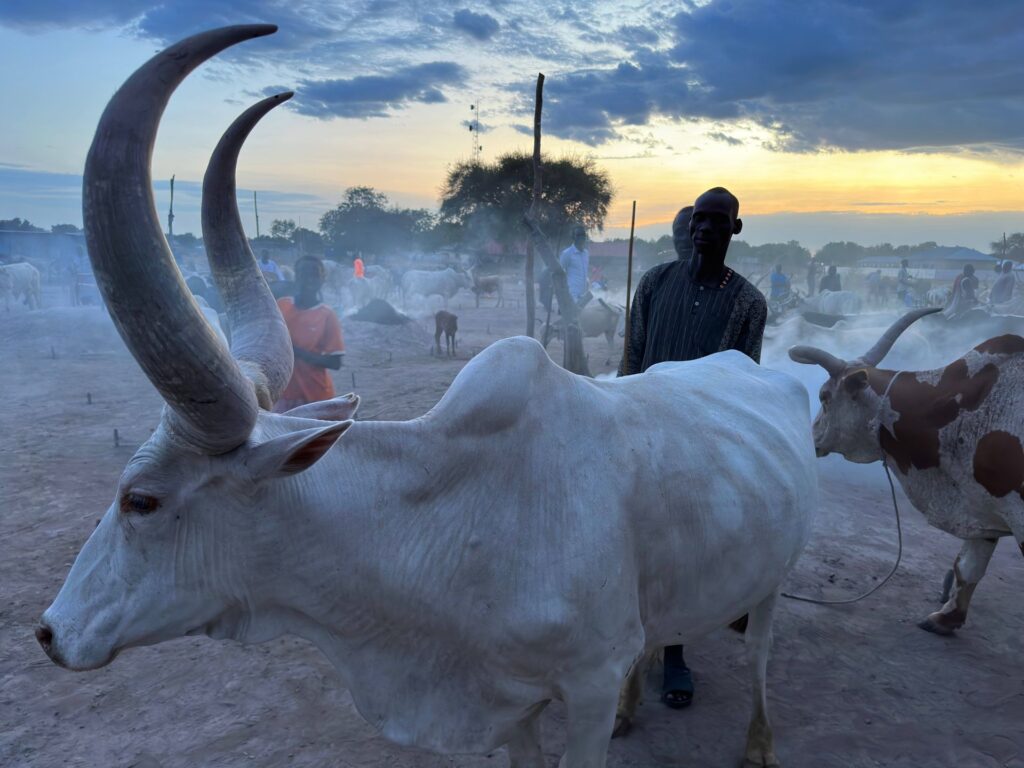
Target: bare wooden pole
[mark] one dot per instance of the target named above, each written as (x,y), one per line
(629,292)
(573,358)
(531,300)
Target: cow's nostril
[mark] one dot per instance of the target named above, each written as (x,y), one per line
(45,637)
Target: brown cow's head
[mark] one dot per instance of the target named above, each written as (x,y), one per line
(850,407)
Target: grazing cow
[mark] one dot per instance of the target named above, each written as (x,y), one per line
(444,283)
(486,285)
(448,324)
(833,303)
(460,570)
(20,281)
(376,284)
(953,436)
(596,319)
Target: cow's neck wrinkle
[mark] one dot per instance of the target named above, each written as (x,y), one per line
(374,545)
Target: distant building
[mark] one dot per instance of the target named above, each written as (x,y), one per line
(944,262)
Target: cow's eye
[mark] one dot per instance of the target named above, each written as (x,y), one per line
(138,503)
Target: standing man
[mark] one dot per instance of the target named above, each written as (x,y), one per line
(358,267)
(687,309)
(575,260)
(905,284)
(812,276)
(779,284)
(964,295)
(269,268)
(1002,288)
(831,281)
(316,338)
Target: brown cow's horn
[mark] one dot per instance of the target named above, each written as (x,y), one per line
(259,337)
(874,355)
(815,356)
(213,404)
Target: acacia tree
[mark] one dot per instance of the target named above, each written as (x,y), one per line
(488,199)
(366,221)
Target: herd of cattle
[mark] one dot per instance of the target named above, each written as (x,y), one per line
(455,598)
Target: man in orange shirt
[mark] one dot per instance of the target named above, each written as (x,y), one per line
(316,338)
(358,268)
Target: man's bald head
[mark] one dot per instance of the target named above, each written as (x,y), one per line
(681,239)
(719,195)
(715,220)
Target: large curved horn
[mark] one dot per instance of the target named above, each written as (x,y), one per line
(815,356)
(259,338)
(874,355)
(213,404)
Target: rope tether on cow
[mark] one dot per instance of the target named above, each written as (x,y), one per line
(899,527)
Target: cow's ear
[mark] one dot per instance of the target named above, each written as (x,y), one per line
(294,452)
(856,381)
(336,409)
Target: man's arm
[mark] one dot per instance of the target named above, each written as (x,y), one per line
(752,333)
(636,343)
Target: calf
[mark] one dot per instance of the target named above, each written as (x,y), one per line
(954,437)
(448,324)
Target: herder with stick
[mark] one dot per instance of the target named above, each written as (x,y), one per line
(687,309)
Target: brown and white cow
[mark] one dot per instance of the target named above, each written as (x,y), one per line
(954,437)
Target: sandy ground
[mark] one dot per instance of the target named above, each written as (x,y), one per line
(852,686)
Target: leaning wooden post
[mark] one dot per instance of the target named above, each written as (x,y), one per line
(573,358)
(629,292)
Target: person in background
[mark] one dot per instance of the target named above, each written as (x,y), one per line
(316,338)
(905,284)
(358,268)
(779,284)
(687,309)
(831,282)
(1002,288)
(874,284)
(575,260)
(964,295)
(269,267)
(812,276)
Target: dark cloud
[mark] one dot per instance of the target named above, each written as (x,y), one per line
(918,75)
(481,26)
(725,138)
(376,95)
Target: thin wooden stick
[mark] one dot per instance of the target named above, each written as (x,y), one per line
(629,292)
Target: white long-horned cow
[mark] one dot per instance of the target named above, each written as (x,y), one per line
(598,318)
(444,283)
(20,280)
(953,436)
(460,570)
(833,303)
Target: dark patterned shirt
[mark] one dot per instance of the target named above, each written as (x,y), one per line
(673,317)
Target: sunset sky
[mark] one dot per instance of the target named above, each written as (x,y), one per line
(870,121)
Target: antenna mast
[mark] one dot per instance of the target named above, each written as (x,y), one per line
(474,128)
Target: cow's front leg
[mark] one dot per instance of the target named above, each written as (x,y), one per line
(590,711)
(760,751)
(968,568)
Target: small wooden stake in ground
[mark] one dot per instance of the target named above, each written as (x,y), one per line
(88,398)
(353,380)
(53,353)
(117,439)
